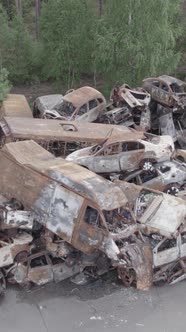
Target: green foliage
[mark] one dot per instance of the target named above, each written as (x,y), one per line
(67,33)
(136,39)
(4,84)
(131,40)
(18,51)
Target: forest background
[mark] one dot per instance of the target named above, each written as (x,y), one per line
(68,42)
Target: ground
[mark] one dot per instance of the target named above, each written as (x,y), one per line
(103,305)
(33,91)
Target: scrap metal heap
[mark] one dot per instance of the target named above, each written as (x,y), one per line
(118,203)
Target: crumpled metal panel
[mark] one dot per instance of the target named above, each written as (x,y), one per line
(58,210)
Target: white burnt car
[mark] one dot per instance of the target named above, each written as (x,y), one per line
(119,155)
(168,176)
(84,104)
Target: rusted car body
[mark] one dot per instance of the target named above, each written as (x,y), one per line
(59,137)
(135,103)
(168,176)
(167,91)
(161,219)
(87,211)
(15,106)
(84,104)
(13,249)
(122,155)
(41,268)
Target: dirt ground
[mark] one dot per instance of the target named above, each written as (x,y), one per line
(31,92)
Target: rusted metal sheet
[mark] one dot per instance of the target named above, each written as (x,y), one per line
(15,106)
(55,135)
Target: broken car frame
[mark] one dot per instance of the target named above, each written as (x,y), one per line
(162,221)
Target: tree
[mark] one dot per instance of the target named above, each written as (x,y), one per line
(17,50)
(136,39)
(4,83)
(67,36)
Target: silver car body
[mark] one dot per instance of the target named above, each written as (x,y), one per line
(122,155)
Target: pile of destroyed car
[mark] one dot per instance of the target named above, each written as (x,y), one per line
(78,200)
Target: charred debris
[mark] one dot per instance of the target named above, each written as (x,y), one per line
(78,200)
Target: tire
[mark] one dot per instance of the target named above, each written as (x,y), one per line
(127,276)
(21,256)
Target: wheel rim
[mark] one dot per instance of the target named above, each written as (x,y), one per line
(148,166)
(173,191)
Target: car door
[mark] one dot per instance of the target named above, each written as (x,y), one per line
(106,160)
(90,231)
(40,270)
(166,251)
(153,180)
(61,270)
(131,156)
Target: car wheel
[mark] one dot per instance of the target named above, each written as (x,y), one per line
(172,189)
(127,276)
(21,256)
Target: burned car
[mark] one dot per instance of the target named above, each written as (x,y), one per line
(84,104)
(168,176)
(167,91)
(39,269)
(57,136)
(14,249)
(130,107)
(162,221)
(88,212)
(122,155)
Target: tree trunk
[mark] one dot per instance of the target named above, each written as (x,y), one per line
(18,4)
(8,8)
(37,11)
(100,7)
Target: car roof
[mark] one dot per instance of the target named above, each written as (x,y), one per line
(83,182)
(57,130)
(166,78)
(83,95)
(123,139)
(170,80)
